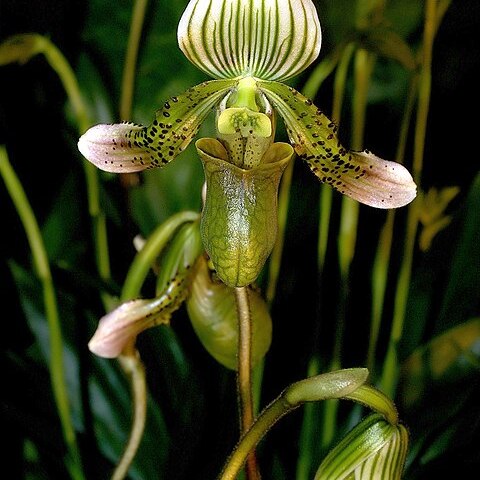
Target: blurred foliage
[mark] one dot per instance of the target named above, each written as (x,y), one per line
(192,425)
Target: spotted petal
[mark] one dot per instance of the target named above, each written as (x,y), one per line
(360,175)
(120,327)
(127,147)
(268,39)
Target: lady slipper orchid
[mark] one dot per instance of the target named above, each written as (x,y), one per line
(249,46)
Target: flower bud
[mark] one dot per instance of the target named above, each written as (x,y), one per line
(119,328)
(212,309)
(373,449)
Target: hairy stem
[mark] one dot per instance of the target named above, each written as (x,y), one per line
(244,374)
(130,359)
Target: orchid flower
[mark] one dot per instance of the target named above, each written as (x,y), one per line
(249,47)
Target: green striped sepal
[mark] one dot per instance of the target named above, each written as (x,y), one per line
(127,147)
(268,39)
(239,218)
(374,449)
(212,310)
(360,175)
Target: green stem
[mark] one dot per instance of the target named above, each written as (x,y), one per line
(376,400)
(128,79)
(130,360)
(382,257)
(276,255)
(134,368)
(434,12)
(326,192)
(42,267)
(310,90)
(244,373)
(274,412)
(146,257)
(347,237)
(309,430)
(321,387)
(66,74)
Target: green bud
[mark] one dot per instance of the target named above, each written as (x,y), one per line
(373,449)
(212,309)
(326,386)
(239,218)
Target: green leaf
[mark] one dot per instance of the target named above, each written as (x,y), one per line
(448,358)
(387,43)
(21,48)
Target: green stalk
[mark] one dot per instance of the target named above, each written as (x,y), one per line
(133,367)
(308,434)
(326,192)
(146,257)
(130,359)
(382,258)
(244,374)
(434,12)
(310,89)
(364,62)
(42,268)
(331,385)
(64,71)
(128,79)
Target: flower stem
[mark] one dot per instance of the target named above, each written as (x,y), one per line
(130,359)
(145,258)
(244,374)
(321,387)
(364,62)
(274,412)
(132,365)
(434,12)
(128,79)
(382,257)
(42,267)
(66,74)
